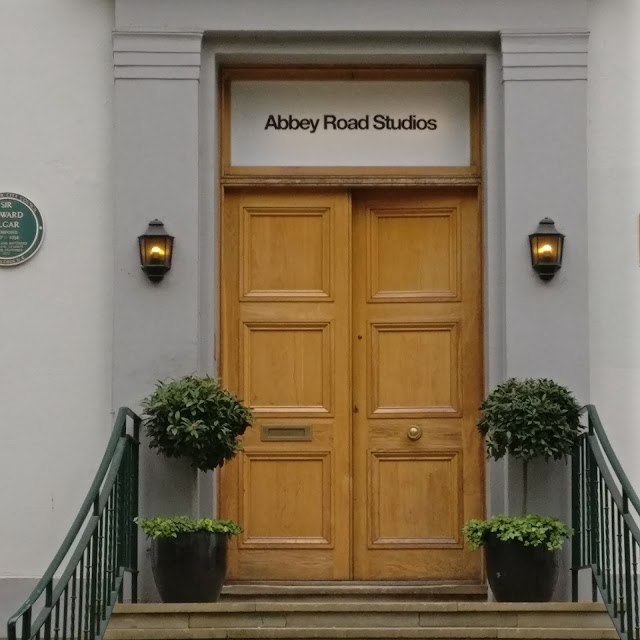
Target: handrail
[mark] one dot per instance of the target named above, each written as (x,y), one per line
(596,425)
(606,512)
(105,536)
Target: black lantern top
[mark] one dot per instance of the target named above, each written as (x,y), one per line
(546,244)
(156,250)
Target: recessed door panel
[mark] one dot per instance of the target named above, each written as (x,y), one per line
(286,517)
(414,253)
(298,359)
(286,252)
(415,519)
(430,352)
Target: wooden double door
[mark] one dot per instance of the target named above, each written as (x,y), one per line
(351,321)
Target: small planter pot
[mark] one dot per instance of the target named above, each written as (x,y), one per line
(518,573)
(191,567)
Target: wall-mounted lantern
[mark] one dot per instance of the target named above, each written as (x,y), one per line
(546,249)
(156,250)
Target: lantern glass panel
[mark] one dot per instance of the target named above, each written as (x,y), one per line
(546,249)
(156,250)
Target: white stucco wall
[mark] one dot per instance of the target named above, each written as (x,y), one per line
(55,310)
(614,215)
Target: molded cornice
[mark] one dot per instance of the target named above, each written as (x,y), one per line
(560,55)
(139,55)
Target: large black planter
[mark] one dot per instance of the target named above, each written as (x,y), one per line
(191,567)
(518,573)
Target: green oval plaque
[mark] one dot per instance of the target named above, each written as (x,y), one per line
(21,229)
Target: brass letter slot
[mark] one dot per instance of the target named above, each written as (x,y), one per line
(286,432)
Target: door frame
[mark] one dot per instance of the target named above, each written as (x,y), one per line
(349,178)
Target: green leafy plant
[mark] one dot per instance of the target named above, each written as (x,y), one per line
(530,530)
(526,418)
(530,418)
(160,527)
(196,418)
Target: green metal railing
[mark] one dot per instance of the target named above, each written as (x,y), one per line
(101,547)
(606,512)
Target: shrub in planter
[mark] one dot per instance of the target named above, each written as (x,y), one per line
(192,417)
(526,418)
(188,556)
(196,418)
(520,554)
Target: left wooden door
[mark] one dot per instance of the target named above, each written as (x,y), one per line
(285,287)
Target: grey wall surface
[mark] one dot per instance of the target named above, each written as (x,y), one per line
(13,592)
(534,53)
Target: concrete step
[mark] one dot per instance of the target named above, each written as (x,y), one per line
(362,633)
(357,619)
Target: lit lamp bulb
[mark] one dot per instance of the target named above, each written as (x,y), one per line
(156,255)
(545,252)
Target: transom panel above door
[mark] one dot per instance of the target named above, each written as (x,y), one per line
(360,352)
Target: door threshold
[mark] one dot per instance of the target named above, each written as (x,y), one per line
(351,583)
(339,589)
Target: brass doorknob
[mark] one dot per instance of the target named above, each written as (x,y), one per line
(414,432)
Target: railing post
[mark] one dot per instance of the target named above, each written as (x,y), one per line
(93,585)
(48,602)
(26,624)
(121,514)
(628,610)
(132,524)
(575,520)
(593,515)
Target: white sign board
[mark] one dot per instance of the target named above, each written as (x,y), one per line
(305,123)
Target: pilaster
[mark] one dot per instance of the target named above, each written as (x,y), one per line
(157,326)
(546,324)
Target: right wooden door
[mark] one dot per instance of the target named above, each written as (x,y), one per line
(418,469)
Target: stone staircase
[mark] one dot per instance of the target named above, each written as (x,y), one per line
(251,613)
